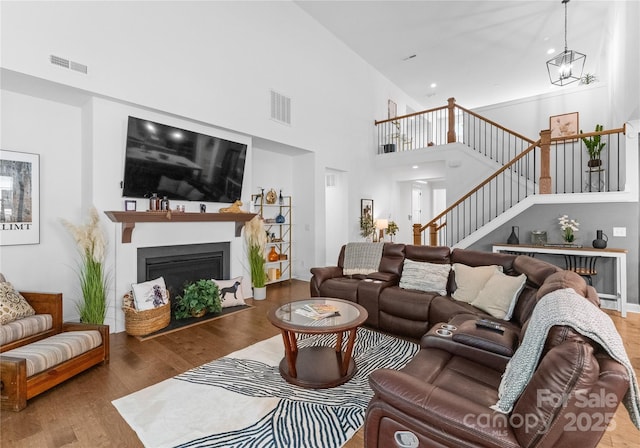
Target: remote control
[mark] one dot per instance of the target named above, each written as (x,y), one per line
(489,325)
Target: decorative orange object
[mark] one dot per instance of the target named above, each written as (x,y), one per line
(273,255)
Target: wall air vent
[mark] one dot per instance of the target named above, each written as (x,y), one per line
(66,63)
(57,60)
(78,67)
(280,108)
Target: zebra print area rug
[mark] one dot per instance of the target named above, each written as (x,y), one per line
(241,400)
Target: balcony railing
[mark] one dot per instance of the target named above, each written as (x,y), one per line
(546,166)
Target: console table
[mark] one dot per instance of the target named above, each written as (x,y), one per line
(620,256)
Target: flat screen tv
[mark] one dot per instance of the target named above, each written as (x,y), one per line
(181,164)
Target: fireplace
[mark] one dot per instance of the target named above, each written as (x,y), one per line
(184,263)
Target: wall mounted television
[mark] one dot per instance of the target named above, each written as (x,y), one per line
(181,164)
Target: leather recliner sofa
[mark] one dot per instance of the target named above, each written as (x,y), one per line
(410,313)
(443,396)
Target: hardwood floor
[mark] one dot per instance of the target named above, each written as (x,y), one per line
(79,413)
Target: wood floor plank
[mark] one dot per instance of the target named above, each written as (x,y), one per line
(79,413)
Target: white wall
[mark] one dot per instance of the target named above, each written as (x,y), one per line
(206,66)
(52,130)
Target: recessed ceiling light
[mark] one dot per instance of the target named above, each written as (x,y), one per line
(551,50)
(414,167)
(433,85)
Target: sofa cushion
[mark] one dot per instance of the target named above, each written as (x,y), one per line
(430,277)
(470,280)
(230,292)
(150,294)
(498,296)
(46,353)
(12,305)
(25,327)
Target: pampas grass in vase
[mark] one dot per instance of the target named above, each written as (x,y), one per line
(91,243)
(256,239)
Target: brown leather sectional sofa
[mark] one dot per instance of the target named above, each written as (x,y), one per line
(410,313)
(443,396)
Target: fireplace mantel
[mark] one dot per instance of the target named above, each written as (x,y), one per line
(129,219)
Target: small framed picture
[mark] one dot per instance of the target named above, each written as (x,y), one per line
(564,125)
(130,205)
(392,109)
(366,208)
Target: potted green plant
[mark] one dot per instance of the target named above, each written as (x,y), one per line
(392,229)
(256,239)
(91,243)
(594,145)
(198,298)
(367,227)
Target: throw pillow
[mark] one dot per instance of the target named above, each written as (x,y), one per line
(230,292)
(12,305)
(470,280)
(425,276)
(151,294)
(499,295)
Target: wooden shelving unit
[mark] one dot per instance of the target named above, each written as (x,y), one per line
(281,231)
(129,219)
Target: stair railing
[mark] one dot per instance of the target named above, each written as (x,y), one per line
(548,166)
(499,192)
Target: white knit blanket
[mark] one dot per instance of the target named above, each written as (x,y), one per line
(564,307)
(362,258)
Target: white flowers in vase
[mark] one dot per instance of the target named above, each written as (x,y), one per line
(568,227)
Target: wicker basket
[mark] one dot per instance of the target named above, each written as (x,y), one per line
(140,323)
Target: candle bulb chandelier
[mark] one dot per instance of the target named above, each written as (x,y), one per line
(567,66)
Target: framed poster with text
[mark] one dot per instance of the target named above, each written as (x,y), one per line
(19,198)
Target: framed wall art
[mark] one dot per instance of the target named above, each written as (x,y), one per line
(19,198)
(130,205)
(392,109)
(366,208)
(564,125)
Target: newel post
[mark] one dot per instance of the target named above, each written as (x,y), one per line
(451,131)
(545,162)
(417,234)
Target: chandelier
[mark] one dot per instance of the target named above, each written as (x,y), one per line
(567,66)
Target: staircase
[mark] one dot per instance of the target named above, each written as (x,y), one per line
(549,165)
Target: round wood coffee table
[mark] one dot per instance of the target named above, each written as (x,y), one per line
(318,367)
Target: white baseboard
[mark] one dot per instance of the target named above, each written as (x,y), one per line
(611,305)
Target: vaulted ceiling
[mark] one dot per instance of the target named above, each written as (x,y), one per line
(480,52)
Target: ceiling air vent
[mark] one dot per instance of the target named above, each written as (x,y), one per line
(280,108)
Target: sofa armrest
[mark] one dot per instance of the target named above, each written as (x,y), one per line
(474,344)
(434,407)
(321,275)
(384,277)
(504,343)
(325,273)
(46,303)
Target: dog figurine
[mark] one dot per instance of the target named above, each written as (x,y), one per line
(231,289)
(233,208)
